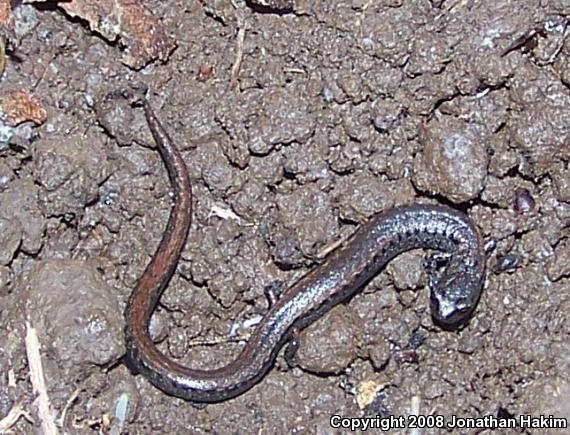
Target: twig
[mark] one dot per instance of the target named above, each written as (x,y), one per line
(13,416)
(70,401)
(2,54)
(11,378)
(38,382)
(239,57)
(415,411)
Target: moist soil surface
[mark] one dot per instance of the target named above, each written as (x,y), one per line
(298,121)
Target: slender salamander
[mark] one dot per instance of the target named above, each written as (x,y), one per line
(454,291)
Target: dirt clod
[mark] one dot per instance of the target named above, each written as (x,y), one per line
(76,315)
(453,162)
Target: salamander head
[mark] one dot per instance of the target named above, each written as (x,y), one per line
(454,297)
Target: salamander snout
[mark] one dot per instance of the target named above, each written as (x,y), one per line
(453,299)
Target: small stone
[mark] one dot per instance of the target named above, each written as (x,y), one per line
(21,106)
(523,201)
(141,32)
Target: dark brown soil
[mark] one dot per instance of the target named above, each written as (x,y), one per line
(339,110)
